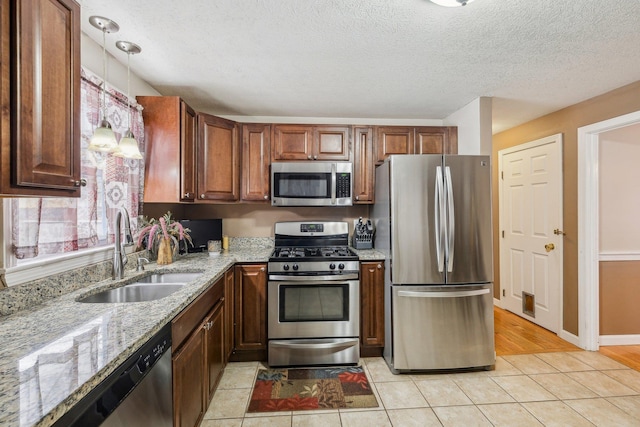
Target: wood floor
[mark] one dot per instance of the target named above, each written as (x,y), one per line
(515,335)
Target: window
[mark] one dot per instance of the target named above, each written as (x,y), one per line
(48,227)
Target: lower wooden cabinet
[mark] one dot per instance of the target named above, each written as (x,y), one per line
(371,308)
(198,355)
(250,312)
(229,321)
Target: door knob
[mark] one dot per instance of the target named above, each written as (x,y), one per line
(559,232)
(549,247)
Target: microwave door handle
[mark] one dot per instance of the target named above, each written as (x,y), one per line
(333,183)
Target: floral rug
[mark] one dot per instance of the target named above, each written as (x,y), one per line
(308,389)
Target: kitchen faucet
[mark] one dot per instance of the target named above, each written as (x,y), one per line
(119,255)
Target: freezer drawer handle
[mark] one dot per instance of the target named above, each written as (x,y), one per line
(314,346)
(452,294)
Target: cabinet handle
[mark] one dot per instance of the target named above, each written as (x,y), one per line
(81,183)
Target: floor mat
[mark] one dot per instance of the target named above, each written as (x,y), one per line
(308,389)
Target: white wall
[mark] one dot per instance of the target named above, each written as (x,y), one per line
(619,176)
(474,126)
(91,58)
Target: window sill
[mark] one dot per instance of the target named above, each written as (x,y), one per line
(39,269)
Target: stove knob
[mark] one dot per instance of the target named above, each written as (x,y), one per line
(332,266)
(341,266)
(295,267)
(285,267)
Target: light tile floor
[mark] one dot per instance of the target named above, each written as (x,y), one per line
(551,389)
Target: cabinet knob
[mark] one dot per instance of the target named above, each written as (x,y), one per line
(81,183)
(202,196)
(187,195)
(309,157)
(262,269)
(266,196)
(357,197)
(315,157)
(379,266)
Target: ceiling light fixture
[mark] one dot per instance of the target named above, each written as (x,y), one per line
(103,138)
(451,3)
(128,146)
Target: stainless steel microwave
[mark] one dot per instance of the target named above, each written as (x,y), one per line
(311,183)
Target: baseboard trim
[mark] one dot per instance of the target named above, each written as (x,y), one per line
(619,340)
(568,336)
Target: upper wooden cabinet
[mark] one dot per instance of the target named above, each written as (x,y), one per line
(436,140)
(218,159)
(256,158)
(170,139)
(40,98)
(308,142)
(415,140)
(363,165)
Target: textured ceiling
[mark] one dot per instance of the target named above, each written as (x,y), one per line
(395,59)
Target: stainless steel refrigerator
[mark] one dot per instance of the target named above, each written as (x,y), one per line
(433,223)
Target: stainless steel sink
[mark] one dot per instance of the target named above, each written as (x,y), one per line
(170,278)
(135,292)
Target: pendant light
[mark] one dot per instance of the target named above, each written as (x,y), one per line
(451,3)
(128,146)
(103,138)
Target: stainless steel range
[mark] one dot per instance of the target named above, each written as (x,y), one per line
(313,295)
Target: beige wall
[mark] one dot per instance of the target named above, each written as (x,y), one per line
(566,121)
(246,220)
(619,286)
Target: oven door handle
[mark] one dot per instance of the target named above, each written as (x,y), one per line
(314,346)
(327,278)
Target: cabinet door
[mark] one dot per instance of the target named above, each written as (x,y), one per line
(229,324)
(45,142)
(331,143)
(218,159)
(251,307)
(292,142)
(214,359)
(363,165)
(189,403)
(372,304)
(188,134)
(256,158)
(393,140)
(436,140)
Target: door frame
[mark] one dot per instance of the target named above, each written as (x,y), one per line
(588,227)
(556,139)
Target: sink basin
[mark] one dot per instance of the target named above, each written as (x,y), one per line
(170,278)
(135,292)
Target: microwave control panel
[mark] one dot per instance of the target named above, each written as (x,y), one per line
(343,185)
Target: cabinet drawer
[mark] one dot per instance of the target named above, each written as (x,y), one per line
(192,316)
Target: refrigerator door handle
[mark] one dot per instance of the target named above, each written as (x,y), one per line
(439,212)
(451,220)
(445,294)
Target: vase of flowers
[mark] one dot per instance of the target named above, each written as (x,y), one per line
(161,237)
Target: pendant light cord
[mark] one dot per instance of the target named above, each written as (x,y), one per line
(104,74)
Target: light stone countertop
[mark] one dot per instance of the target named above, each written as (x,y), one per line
(89,341)
(369,254)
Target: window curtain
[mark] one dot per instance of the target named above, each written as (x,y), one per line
(56,225)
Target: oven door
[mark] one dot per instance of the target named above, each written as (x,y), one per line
(314,307)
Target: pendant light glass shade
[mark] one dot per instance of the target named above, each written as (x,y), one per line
(451,3)
(103,138)
(128,146)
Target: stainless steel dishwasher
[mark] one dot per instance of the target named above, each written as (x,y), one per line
(137,393)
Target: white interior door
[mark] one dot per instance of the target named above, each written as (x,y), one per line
(531,231)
